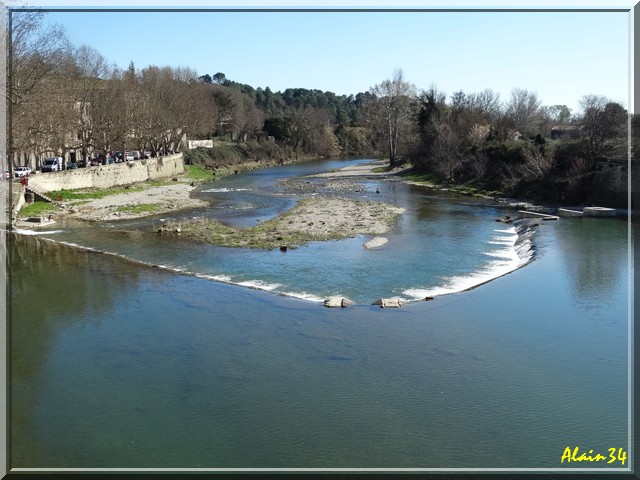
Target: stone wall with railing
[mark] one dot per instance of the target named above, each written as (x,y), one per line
(106,176)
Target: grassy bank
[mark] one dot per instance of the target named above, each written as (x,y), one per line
(91,194)
(37,209)
(470,188)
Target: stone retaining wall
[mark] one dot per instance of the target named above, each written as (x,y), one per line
(18,202)
(105,176)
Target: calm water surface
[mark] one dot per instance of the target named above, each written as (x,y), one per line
(116,364)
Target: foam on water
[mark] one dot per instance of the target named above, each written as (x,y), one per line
(517,252)
(503,240)
(215,278)
(225,190)
(259,285)
(33,232)
(303,296)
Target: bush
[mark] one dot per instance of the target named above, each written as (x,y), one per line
(196,156)
(229,153)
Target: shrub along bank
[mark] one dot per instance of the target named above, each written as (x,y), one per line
(225,156)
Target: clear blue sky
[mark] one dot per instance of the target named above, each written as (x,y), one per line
(559,55)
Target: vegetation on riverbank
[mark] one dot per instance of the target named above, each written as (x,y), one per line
(91,194)
(470,188)
(229,158)
(199,174)
(37,209)
(143,208)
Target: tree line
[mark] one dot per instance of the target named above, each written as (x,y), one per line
(516,146)
(64,98)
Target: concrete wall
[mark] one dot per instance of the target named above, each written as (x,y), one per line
(18,202)
(105,176)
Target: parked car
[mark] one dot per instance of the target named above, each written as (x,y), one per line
(127,157)
(52,164)
(7,174)
(23,171)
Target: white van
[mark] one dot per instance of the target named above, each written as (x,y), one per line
(52,164)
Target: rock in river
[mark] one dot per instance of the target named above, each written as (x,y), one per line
(337,301)
(376,242)
(388,302)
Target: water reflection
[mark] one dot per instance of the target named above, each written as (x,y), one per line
(50,284)
(49,281)
(592,255)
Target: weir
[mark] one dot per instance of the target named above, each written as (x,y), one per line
(543,216)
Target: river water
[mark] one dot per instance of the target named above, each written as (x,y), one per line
(119,364)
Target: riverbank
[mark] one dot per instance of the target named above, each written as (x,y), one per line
(139,202)
(139,199)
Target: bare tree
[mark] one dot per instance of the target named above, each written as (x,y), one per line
(245,116)
(35,52)
(605,124)
(105,112)
(318,135)
(558,114)
(393,105)
(488,102)
(478,133)
(537,163)
(522,111)
(87,79)
(447,150)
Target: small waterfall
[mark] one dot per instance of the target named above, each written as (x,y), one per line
(517,250)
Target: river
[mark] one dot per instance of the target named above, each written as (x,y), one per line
(119,364)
